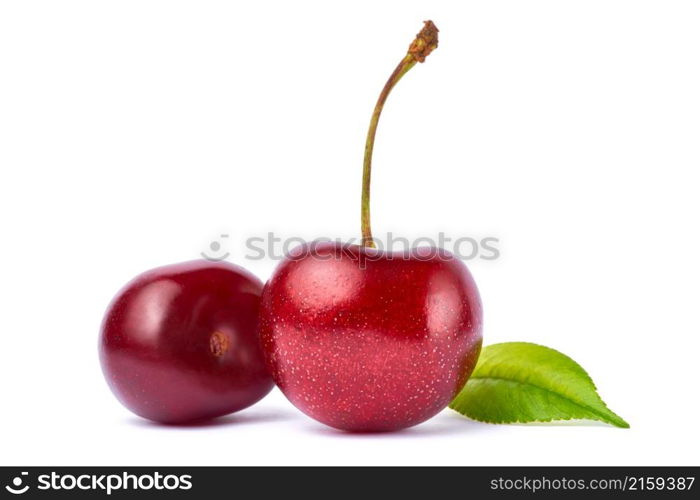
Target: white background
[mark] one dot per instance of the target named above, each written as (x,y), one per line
(133,133)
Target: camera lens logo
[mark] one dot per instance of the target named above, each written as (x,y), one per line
(215,247)
(16,488)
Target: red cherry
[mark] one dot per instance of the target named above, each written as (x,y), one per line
(180,344)
(364,340)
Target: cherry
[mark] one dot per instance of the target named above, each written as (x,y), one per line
(180,344)
(369,340)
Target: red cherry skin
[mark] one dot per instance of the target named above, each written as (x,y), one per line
(365,340)
(179,343)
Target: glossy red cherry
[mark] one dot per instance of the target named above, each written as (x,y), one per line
(366,340)
(180,343)
(363,340)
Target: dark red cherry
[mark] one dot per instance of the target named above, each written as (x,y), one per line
(179,343)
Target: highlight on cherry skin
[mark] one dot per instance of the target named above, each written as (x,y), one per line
(179,344)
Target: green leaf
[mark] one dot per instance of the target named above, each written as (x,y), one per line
(523,382)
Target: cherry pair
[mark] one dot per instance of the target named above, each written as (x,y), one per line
(357,338)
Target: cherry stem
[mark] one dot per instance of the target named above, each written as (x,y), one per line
(426,41)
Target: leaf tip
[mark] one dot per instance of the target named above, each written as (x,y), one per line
(621,423)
